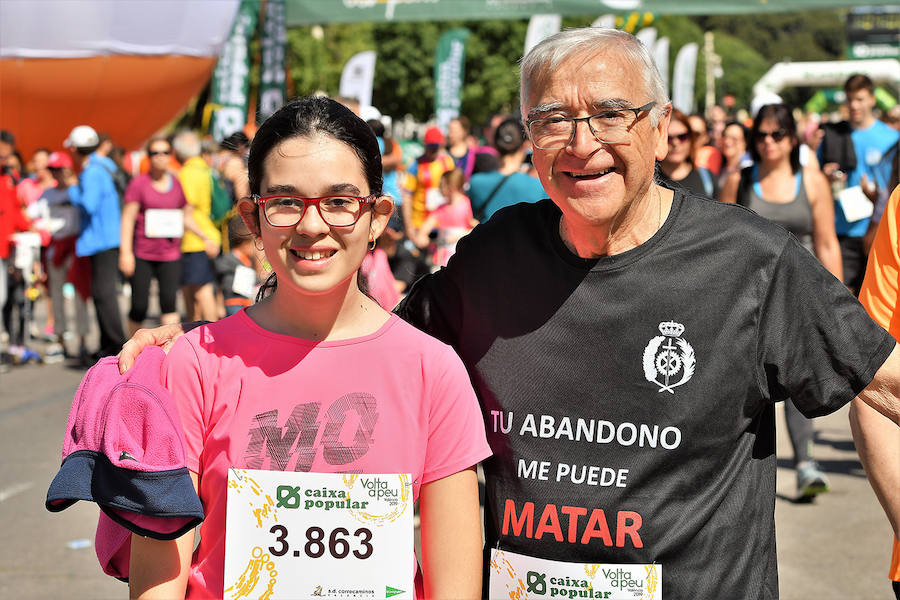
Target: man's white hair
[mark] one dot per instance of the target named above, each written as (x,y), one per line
(186,145)
(551,52)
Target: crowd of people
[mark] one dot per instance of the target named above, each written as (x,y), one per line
(90,223)
(609,225)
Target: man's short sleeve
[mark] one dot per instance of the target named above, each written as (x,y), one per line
(433,305)
(816,343)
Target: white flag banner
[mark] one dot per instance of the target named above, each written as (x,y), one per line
(647,36)
(661,58)
(605,22)
(357,78)
(683,78)
(541,27)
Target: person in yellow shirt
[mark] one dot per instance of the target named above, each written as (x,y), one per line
(872,430)
(202,240)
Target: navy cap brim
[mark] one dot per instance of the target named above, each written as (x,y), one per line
(168,495)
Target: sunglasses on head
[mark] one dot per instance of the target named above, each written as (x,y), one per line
(681,137)
(777,135)
(158,152)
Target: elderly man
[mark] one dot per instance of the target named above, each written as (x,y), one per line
(628,344)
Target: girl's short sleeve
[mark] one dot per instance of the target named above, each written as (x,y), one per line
(183,378)
(456,435)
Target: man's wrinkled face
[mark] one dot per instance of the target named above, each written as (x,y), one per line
(589,180)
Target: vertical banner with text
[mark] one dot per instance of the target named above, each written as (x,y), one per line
(449,71)
(683,78)
(661,58)
(357,78)
(272,75)
(231,79)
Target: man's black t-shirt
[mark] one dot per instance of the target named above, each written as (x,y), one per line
(629,399)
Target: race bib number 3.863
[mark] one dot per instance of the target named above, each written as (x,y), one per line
(515,575)
(310,535)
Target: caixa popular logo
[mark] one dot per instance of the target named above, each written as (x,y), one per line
(669,360)
(381,489)
(542,584)
(291,496)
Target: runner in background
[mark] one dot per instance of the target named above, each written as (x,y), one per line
(871,430)
(200,246)
(153,222)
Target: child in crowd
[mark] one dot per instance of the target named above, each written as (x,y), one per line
(248,385)
(452,220)
(236,270)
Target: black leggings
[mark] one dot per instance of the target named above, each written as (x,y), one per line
(168,277)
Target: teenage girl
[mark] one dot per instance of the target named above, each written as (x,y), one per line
(316,345)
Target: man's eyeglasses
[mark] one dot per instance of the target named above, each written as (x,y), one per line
(681,137)
(158,152)
(777,135)
(612,126)
(336,211)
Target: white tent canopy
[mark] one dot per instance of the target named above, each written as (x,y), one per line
(826,73)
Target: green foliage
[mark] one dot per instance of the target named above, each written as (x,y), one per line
(748,45)
(742,66)
(316,64)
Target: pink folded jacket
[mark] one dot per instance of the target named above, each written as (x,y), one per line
(124,449)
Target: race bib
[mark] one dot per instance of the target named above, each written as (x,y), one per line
(855,204)
(518,576)
(311,535)
(163,223)
(244,283)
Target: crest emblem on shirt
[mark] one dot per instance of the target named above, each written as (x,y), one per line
(669,360)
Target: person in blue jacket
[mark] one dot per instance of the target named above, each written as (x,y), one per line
(95,193)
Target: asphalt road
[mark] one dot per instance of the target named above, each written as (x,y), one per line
(837,547)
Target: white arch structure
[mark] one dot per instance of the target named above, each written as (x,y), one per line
(827,73)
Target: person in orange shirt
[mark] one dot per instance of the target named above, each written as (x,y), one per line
(872,430)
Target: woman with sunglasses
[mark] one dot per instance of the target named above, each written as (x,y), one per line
(799,199)
(153,217)
(677,169)
(255,388)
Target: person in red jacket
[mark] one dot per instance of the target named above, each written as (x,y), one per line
(11,220)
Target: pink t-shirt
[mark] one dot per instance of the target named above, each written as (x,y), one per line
(247,397)
(454,215)
(141,190)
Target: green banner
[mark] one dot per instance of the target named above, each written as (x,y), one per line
(449,70)
(311,12)
(231,79)
(271,74)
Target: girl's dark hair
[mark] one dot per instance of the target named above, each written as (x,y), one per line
(781,114)
(309,117)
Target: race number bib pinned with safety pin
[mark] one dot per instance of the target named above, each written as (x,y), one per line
(311,535)
(164,223)
(515,575)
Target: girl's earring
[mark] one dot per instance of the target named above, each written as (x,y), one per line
(258,243)
(371,244)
